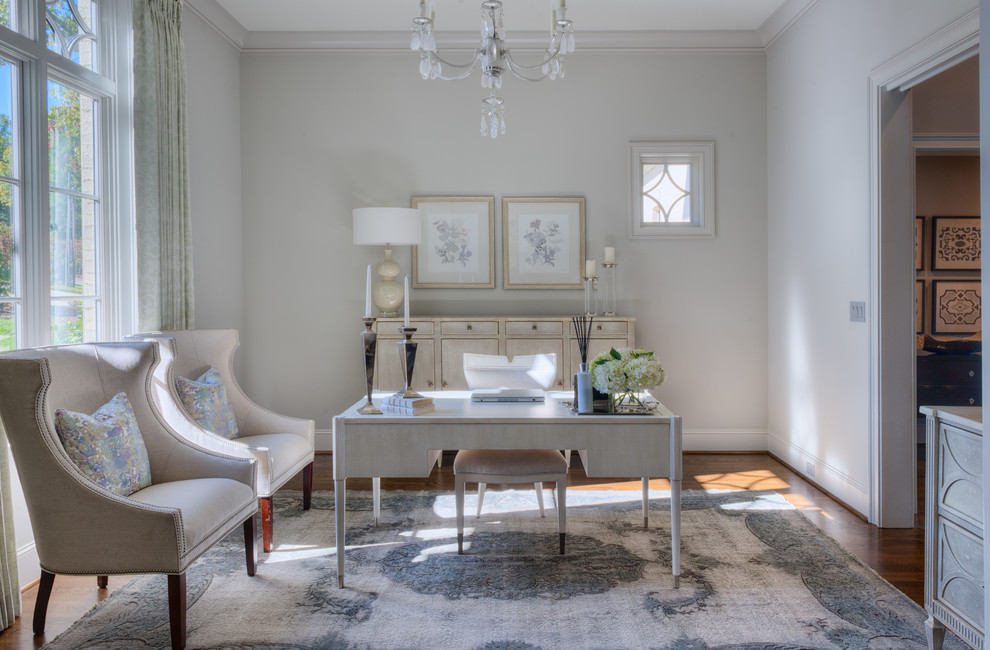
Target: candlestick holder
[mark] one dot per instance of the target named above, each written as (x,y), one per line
(609,289)
(370,340)
(407,356)
(590,286)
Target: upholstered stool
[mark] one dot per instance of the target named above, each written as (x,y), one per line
(511,466)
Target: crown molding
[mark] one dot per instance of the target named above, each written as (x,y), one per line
(670,42)
(210,12)
(785,17)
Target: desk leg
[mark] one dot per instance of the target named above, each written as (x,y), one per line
(675,530)
(376,497)
(340,511)
(646,502)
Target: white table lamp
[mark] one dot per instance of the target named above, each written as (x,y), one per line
(387,226)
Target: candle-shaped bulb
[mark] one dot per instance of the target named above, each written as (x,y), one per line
(367,295)
(609,255)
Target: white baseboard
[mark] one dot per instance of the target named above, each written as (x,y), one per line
(828,477)
(694,440)
(28,565)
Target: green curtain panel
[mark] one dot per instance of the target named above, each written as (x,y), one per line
(10,593)
(161,169)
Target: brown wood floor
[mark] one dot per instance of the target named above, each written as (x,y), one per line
(896,554)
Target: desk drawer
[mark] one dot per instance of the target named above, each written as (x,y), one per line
(482,327)
(534,327)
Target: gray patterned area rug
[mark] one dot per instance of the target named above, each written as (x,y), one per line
(756,574)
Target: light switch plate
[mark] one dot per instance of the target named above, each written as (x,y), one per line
(857,312)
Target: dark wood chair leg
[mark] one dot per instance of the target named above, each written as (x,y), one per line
(251,545)
(41,603)
(266,523)
(102,581)
(177,610)
(307,486)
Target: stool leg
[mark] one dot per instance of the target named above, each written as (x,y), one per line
(562,510)
(539,497)
(481,497)
(459,492)
(376,497)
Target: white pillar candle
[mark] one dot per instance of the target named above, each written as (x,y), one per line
(589,269)
(406,299)
(367,295)
(609,255)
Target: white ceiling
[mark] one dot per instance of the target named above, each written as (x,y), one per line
(588,15)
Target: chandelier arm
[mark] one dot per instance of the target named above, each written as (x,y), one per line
(467,67)
(518,70)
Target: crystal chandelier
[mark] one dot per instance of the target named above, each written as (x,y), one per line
(492,57)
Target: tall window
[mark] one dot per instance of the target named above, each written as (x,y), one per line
(66,232)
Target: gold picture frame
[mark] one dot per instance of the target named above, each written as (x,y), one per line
(542,242)
(458,243)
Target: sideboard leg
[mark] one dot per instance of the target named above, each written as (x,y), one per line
(935,632)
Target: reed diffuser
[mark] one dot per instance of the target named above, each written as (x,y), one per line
(584,400)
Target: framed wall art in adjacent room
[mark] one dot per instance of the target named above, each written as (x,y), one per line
(542,243)
(957,307)
(458,244)
(919,243)
(955,243)
(919,306)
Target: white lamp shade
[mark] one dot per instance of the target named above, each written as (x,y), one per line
(380,226)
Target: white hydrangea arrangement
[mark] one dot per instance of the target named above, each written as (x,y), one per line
(625,371)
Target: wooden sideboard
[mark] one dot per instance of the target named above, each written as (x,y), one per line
(444,340)
(954,526)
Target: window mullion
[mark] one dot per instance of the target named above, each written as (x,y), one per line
(34,197)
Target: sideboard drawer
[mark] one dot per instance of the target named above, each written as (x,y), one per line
(959,572)
(960,475)
(483,327)
(390,329)
(606,328)
(534,327)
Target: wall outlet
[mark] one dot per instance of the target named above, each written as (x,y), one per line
(857,312)
(809,468)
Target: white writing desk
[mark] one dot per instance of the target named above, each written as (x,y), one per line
(391,445)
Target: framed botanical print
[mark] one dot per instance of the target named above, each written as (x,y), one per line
(919,306)
(957,307)
(458,243)
(919,243)
(542,243)
(955,243)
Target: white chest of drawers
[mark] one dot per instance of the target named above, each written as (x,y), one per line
(442,342)
(954,572)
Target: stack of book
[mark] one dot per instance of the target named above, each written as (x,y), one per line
(407,405)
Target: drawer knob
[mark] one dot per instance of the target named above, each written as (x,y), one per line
(972,373)
(469,328)
(534,329)
(443,385)
(599,328)
(429,384)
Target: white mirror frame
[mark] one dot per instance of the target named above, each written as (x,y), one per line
(701,156)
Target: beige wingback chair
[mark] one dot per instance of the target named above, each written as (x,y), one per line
(195,499)
(282,445)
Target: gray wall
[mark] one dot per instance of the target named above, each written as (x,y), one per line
(818,229)
(325,133)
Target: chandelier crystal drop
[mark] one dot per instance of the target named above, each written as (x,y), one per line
(491,57)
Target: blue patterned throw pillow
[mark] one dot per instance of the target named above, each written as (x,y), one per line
(205,400)
(107,446)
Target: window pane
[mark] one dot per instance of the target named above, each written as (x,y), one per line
(666,193)
(8,326)
(71,140)
(69,30)
(6,17)
(73,321)
(8,268)
(72,239)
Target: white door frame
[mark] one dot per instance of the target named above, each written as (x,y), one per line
(892,493)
